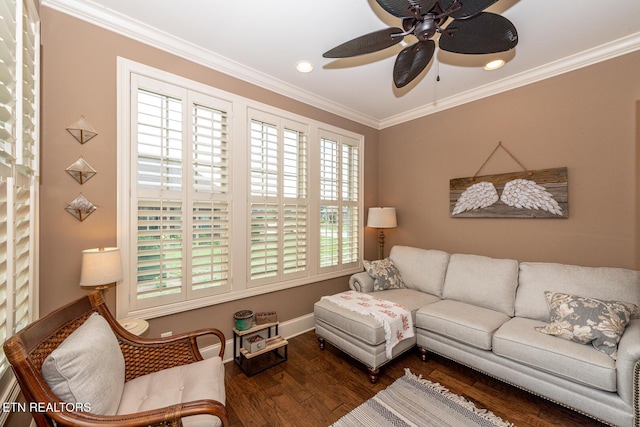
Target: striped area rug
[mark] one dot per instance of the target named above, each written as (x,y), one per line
(415,401)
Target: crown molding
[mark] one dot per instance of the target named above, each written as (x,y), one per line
(592,56)
(108,19)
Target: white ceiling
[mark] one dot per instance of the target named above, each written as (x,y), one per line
(261,41)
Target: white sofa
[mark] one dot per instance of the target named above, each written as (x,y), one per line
(483,312)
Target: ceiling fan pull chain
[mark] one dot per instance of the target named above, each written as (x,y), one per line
(491,155)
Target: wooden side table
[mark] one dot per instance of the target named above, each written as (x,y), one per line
(274,352)
(134,325)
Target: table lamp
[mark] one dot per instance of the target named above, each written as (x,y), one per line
(381,218)
(101,267)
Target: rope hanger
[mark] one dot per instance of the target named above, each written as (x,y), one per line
(509,153)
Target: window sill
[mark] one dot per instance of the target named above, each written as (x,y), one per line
(165,310)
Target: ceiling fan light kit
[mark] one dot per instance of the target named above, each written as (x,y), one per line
(464,28)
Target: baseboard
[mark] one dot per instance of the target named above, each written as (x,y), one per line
(288,329)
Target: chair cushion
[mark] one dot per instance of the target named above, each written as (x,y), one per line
(588,320)
(88,367)
(199,380)
(486,282)
(462,322)
(519,341)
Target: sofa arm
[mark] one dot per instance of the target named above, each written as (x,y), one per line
(361,282)
(628,363)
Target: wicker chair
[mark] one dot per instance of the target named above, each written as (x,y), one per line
(27,350)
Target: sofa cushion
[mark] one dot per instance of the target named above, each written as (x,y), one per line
(518,340)
(367,328)
(88,367)
(588,320)
(485,282)
(195,381)
(421,269)
(462,322)
(384,273)
(604,283)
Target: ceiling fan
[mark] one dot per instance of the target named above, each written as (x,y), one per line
(468,30)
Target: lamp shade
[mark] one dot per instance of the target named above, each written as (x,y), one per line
(100,267)
(382,218)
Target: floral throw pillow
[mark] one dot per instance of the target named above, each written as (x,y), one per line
(384,273)
(588,320)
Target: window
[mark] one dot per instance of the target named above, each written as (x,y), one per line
(278,205)
(19,105)
(339,201)
(221,197)
(181,193)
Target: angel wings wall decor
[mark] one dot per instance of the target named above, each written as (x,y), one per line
(529,194)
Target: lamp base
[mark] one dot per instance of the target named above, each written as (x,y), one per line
(380,243)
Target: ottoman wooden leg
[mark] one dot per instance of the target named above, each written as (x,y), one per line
(321,343)
(373,375)
(424,353)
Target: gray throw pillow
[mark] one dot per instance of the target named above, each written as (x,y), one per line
(88,367)
(588,320)
(384,273)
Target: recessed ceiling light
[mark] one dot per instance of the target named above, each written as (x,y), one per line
(494,65)
(304,66)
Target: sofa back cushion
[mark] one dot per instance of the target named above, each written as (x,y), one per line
(482,281)
(421,269)
(603,283)
(88,367)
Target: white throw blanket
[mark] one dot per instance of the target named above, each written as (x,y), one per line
(395,318)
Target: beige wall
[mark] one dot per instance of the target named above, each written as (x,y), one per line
(79,78)
(584,120)
(637,214)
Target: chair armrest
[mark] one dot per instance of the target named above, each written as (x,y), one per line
(156,417)
(144,356)
(628,363)
(361,282)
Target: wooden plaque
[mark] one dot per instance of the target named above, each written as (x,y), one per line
(530,194)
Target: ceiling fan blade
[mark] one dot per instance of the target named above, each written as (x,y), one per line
(484,33)
(402,8)
(411,61)
(368,43)
(469,7)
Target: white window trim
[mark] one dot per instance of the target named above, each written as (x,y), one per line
(238,127)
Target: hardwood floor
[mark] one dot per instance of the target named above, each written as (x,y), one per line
(315,388)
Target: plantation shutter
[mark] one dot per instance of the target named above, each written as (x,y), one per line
(160,213)
(182,193)
(278,217)
(329,218)
(8,81)
(339,201)
(19,105)
(210,208)
(23,253)
(28,73)
(295,209)
(4,267)
(264,200)
(350,190)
